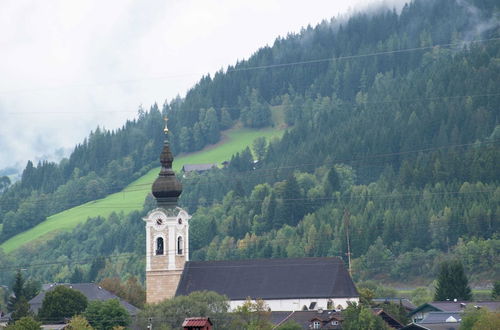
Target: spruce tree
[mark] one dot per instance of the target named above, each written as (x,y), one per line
(495,292)
(452,282)
(18,290)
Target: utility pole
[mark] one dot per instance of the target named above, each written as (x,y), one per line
(346,225)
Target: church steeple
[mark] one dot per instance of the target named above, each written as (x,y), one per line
(166,188)
(167,233)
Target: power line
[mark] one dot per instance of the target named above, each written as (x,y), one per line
(337,102)
(349,57)
(315,201)
(247,174)
(235,245)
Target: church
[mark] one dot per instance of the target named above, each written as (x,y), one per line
(284,284)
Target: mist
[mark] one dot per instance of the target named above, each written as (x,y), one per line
(70,66)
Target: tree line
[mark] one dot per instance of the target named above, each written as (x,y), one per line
(406,141)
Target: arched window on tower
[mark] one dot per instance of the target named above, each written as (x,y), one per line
(159,246)
(179,245)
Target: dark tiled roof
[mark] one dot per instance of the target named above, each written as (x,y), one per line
(305,318)
(90,290)
(432,326)
(408,305)
(440,317)
(278,317)
(455,306)
(441,326)
(452,306)
(388,318)
(269,278)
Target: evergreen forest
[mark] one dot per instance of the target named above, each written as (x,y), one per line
(392,139)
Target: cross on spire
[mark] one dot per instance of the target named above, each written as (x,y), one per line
(165,130)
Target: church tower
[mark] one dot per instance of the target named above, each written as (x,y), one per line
(167,233)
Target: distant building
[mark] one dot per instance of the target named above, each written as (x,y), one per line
(321,319)
(422,311)
(326,319)
(90,290)
(388,318)
(4,319)
(438,321)
(54,326)
(407,305)
(199,168)
(284,284)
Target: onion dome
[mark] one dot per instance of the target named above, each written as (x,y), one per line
(166,188)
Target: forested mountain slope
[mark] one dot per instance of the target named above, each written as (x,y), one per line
(394,130)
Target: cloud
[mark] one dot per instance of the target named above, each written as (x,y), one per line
(68,66)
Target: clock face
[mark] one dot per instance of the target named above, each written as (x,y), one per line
(159,221)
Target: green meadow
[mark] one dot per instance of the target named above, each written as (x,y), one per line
(132,197)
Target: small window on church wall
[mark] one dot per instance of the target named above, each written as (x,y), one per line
(179,245)
(159,246)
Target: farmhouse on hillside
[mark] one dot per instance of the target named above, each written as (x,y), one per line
(198,168)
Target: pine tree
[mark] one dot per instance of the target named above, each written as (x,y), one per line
(452,282)
(332,181)
(18,290)
(21,309)
(77,276)
(495,292)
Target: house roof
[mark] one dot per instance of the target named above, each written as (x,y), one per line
(5,317)
(196,322)
(441,317)
(269,278)
(304,318)
(54,326)
(90,290)
(279,317)
(388,318)
(408,305)
(197,167)
(455,306)
(432,326)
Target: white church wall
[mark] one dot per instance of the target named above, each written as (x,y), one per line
(297,304)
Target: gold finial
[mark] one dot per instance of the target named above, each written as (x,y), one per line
(165,130)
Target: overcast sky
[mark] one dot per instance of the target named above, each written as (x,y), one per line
(68,66)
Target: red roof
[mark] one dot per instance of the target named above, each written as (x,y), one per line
(196,322)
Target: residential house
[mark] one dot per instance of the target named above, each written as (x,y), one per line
(407,305)
(320,319)
(422,311)
(325,319)
(90,290)
(437,321)
(198,168)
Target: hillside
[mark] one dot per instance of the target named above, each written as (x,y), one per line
(394,135)
(132,197)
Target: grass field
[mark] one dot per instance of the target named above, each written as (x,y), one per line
(132,197)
